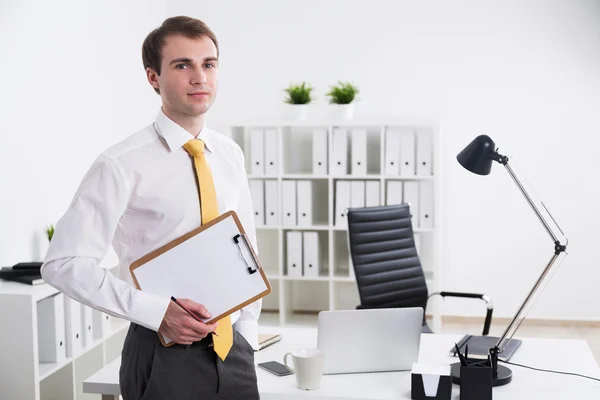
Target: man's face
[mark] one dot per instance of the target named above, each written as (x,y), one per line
(189,75)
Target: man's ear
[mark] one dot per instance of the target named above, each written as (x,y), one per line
(152,78)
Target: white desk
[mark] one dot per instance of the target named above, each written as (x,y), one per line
(558,354)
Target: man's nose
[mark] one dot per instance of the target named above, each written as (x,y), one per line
(199,78)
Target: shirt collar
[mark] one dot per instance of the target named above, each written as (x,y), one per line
(176,136)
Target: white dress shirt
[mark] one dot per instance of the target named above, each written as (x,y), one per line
(141,194)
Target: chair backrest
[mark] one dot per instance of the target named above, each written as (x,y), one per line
(386,264)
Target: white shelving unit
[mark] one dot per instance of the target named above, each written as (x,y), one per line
(22,376)
(293,298)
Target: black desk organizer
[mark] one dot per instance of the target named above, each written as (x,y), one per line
(476,380)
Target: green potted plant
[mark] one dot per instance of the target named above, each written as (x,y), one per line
(50,232)
(298,96)
(43,236)
(342,97)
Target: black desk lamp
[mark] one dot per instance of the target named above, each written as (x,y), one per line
(477,157)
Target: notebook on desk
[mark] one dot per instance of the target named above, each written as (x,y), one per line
(479,347)
(267,339)
(391,342)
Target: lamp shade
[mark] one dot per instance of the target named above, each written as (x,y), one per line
(476,156)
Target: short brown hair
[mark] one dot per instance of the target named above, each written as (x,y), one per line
(189,27)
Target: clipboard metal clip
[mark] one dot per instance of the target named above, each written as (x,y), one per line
(254,261)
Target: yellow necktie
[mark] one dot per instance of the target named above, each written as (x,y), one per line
(223,340)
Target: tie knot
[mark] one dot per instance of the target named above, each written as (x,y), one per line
(195,147)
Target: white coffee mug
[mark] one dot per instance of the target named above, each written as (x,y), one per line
(307,366)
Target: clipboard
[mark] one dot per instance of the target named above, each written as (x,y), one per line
(214,265)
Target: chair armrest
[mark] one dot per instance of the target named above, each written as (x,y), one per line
(485,298)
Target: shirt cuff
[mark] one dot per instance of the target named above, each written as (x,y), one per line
(249,330)
(148,310)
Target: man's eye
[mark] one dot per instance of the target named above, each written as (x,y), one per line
(181,66)
(209,65)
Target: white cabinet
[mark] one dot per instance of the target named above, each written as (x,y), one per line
(33,321)
(333,166)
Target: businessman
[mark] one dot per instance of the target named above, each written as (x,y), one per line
(142,193)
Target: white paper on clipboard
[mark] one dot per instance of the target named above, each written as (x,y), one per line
(216,267)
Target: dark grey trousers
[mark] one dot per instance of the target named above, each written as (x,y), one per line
(150,371)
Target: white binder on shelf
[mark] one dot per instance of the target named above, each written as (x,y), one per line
(304,206)
(393,194)
(73,326)
(342,203)
(372,194)
(359,152)
(272,212)
(257,192)
(288,205)
(417,238)
(339,161)
(102,324)
(257,152)
(357,194)
(51,329)
(407,152)
(311,254)
(426,204)
(87,326)
(411,196)
(424,152)
(214,265)
(271,159)
(392,152)
(294,254)
(319,153)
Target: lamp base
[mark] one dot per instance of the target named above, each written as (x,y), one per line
(504,375)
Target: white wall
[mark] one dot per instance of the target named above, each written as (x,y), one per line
(72,84)
(524,72)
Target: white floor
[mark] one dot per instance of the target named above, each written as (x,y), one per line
(527,329)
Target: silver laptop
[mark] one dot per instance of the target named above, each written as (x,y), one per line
(369,340)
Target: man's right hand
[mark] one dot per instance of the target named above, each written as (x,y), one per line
(181,327)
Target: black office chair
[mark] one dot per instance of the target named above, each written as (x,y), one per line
(386,264)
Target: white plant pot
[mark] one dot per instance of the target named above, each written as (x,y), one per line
(341,111)
(41,244)
(296,112)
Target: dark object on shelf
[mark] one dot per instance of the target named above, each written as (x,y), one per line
(23,276)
